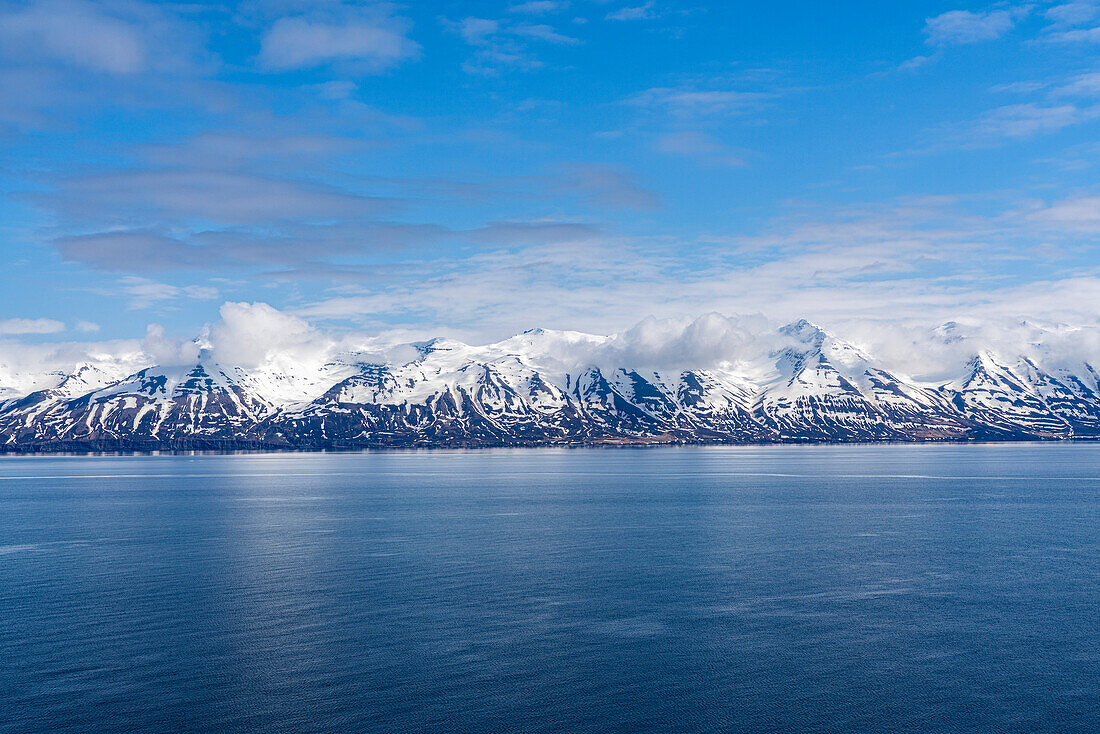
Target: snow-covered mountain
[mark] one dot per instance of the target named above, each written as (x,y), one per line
(554,387)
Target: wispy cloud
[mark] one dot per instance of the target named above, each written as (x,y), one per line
(646,11)
(539,7)
(505,44)
(1078,35)
(1052,106)
(699,146)
(144,293)
(371,40)
(959,27)
(607,186)
(30,326)
(112,37)
(214,196)
(1079,214)
(925,259)
(691,102)
(1028,120)
(75,32)
(1066,19)
(1072,13)
(130,251)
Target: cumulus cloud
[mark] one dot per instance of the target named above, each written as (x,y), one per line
(938,353)
(26,367)
(708,341)
(749,344)
(161,349)
(248,334)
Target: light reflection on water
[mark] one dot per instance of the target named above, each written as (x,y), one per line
(828,588)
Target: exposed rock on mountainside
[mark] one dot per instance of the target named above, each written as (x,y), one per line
(521,391)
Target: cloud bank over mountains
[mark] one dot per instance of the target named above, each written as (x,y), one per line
(256,335)
(261,379)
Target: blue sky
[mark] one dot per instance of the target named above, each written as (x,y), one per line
(480,168)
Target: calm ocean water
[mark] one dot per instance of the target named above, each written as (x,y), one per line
(776,589)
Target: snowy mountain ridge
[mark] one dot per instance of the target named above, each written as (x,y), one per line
(554,387)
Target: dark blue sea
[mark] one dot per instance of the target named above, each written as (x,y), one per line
(893,588)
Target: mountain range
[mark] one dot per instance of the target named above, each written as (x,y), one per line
(522,391)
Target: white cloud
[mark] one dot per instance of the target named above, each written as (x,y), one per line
(1078,214)
(87,327)
(1029,119)
(476,31)
(504,44)
(161,349)
(925,260)
(374,42)
(1082,85)
(254,334)
(958,27)
(607,186)
(1055,106)
(706,341)
(26,367)
(917,62)
(249,333)
(136,251)
(219,196)
(699,146)
(539,7)
(645,11)
(1073,13)
(1066,16)
(99,40)
(686,102)
(81,33)
(144,293)
(30,326)
(1089,35)
(542,32)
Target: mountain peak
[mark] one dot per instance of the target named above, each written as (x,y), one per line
(803,330)
(545,386)
(438,344)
